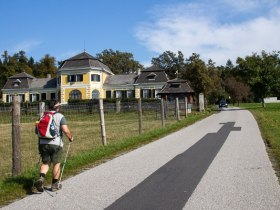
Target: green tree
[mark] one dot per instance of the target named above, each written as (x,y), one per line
(1,77)
(119,62)
(8,68)
(45,66)
(214,89)
(172,64)
(21,63)
(31,62)
(237,90)
(5,57)
(197,74)
(261,72)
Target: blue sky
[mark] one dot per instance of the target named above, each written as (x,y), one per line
(216,29)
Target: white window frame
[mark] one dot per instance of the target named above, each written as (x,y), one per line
(118,94)
(95,78)
(146,93)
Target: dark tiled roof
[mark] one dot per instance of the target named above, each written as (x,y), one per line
(44,83)
(23,83)
(82,56)
(83,60)
(153,68)
(21,75)
(146,74)
(176,86)
(120,79)
(19,81)
(26,81)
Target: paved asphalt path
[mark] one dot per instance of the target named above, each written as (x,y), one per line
(217,163)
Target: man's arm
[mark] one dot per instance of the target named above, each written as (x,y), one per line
(66,131)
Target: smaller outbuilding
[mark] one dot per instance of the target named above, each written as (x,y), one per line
(178,88)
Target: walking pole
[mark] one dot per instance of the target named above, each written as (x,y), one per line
(64,163)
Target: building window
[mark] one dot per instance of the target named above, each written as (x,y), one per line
(71,78)
(16,83)
(21,97)
(75,94)
(95,94)
(34,97)
(43,96)
(151,77)
(75,78)
(156,93)
(9,98)
(79,77)
(146,93)
(95,77)
(118,94)
(175,85)
(108,94)
(130,94)
(52,95)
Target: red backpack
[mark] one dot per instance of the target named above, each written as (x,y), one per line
(46,127)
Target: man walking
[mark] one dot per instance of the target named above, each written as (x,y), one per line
(51,149)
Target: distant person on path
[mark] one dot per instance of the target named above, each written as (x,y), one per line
(51,149)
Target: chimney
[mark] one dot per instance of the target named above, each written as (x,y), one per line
(138,71)
(49,76)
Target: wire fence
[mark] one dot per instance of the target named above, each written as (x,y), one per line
(83,119)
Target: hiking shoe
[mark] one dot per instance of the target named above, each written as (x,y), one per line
(56,186)
(39,184)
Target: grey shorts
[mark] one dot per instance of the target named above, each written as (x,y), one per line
(50,153)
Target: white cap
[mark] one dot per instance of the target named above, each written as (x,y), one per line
(57,105)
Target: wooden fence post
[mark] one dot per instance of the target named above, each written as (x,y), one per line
(162,113)
(186,106)
(140,116)
(177,109)
(166,108)
(102,122)
(118,105)
(42,108)
(16,153)
(201,102)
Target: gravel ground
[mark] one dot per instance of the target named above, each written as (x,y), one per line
(240,176)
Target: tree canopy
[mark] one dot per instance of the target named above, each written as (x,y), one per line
(261,73)
(170,62)
(119,62)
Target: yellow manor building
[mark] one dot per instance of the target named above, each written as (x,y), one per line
(82,77)
(85,77)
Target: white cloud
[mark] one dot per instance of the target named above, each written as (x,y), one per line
(26,46)
(211,31)
(66,55)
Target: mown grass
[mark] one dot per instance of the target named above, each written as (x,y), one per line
(268,119)
(87,149)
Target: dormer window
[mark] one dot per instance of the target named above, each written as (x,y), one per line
(175,85)
(16,83)
(151,76)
